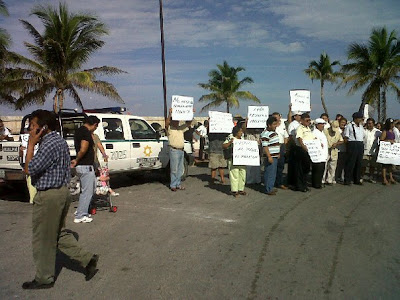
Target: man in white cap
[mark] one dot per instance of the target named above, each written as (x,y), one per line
(318,169)
(354,137)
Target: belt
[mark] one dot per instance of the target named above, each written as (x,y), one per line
(85,167)
(176,148)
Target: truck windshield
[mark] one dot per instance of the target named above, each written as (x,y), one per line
(141,130)
(70,124)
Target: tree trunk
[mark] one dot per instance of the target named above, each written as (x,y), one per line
(379,107)
(384,104)
(227,106)
(362,105)
(323,97)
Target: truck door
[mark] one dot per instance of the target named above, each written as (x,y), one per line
(116,144)
(145,148)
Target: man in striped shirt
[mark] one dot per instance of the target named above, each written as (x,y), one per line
(271,146)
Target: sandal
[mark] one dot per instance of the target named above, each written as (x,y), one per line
(235,194)
(173,189)
(180,188)
(243,193)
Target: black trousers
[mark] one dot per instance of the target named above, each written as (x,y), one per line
(201,150)
(298,167)
(352,169)
(317,172)
(280,167)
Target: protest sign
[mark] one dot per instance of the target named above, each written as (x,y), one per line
(257,116)
(315,151)
(300,100)
(389,153)
(245,153)
(220,122)
(182,108)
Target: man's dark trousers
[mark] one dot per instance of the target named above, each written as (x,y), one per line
(280,167)
(50,209)
(352,170)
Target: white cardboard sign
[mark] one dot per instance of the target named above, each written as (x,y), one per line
(182,108)
(389,153)
(220,122)
(315,151)
(300,100)
(257,116)
(246,153)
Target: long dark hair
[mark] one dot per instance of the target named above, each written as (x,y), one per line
(388,124)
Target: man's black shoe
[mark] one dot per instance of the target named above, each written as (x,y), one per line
(34,285)
(91,267)
(358,183)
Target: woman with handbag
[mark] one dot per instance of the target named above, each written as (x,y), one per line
(237,174)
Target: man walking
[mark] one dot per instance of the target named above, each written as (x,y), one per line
(84,163)
(354,137)
(50,172)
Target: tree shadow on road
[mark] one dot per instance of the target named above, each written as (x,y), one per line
(217,186)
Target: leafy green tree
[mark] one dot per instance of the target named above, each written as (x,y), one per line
(322,70)
(375,66)
(225,86)
(68,41)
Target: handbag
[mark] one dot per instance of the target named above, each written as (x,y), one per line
(228,152)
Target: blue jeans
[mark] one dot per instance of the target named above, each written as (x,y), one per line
(88,182)
(270,174)
(176,158)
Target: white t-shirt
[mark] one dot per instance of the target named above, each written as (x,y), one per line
(6,132)
(24,143)
(396,135)
(202,130)
(282,132)
(293,128)
(371,141)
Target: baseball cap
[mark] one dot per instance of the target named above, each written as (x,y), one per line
(320,121)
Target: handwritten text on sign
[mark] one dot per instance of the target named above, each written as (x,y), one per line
(220,122)
(315,151)
(300,100)
(389,153)
(182,108)
(245,153)
(257,116)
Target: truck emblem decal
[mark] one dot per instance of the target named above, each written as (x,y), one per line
(147,151)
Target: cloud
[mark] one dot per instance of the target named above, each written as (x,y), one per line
(340,20)
(285,48)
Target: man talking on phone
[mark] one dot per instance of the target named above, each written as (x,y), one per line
(50,173)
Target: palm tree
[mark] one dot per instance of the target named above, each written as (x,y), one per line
(376,66)
(224,86)
(323,71)
(68,41)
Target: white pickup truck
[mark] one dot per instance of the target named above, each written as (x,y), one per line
(131,144)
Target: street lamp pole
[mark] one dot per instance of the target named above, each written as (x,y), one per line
(163,59)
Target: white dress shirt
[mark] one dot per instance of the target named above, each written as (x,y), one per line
(352,129)
(320,135)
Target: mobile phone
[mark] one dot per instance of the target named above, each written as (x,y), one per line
(45,127)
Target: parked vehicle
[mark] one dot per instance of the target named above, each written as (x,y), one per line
(130,142)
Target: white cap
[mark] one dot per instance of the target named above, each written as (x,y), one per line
(320,121)
(297,112)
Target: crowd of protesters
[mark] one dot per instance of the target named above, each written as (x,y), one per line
(349,150)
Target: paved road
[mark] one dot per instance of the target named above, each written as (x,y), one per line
(336,243)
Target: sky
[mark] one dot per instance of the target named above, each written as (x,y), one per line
(273,40)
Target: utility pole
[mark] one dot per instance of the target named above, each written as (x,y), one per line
(163,59)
